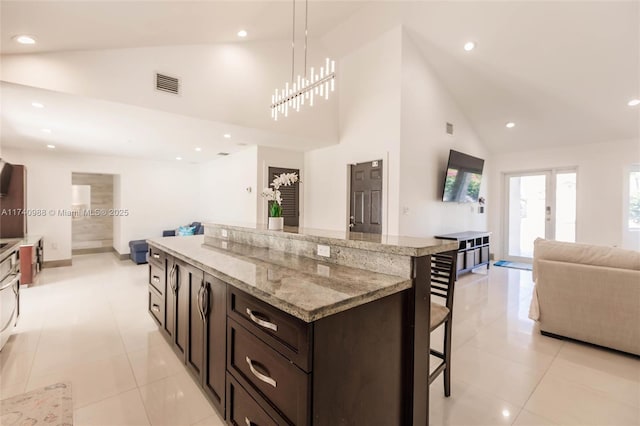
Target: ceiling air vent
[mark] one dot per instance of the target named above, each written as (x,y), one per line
(222,154)
(167,84)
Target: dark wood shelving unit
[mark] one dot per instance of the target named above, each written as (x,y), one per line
(473,249)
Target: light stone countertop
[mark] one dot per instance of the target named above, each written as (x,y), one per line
(391,244)
(305,288)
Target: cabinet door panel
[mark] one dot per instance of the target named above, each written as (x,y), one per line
(215,340)
(185,275)
(195,344)
(170,301)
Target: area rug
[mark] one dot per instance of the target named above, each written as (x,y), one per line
(514,265)
(51,405)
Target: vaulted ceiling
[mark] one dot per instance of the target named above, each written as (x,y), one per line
(562,71)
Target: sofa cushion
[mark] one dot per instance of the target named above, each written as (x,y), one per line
(585,254)
(184,231)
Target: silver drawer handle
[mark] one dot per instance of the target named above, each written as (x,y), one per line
(155,308)
(261,323)
(156,279)
(247,421)
(156,256)
(266,379)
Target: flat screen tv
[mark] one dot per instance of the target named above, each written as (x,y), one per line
(5,177)
(463,177)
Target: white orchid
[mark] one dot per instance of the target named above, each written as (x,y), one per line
(273,194)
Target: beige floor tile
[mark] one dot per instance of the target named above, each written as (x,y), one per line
(527,418)
(612,362)
(92,381)
(154,363)
(15,367)
(468,405)
(568,403)
(175,400)
(214,420)
(625,390)
(505,379)
(9,390)
(141,335)
(125,409)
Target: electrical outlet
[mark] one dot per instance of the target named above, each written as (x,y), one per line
(324,251)
(224,233)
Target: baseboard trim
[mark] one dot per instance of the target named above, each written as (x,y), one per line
(92,250)
(119,256)
(56,263)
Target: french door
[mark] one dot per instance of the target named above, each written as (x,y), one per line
(538,204)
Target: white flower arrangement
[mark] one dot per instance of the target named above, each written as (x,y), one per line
(273,195)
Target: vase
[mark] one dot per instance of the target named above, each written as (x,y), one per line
(276,223)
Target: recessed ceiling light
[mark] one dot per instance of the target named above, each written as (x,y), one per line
(227,136)
(198,149)
(51,146)
(46,130)
(178,158)
(25,39)
(37,105)
(242,33)
(634,102)
(506,413)
(510,125)
(469,46)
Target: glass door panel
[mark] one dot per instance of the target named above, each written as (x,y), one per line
(527,213)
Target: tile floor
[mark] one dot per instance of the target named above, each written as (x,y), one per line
(88,324)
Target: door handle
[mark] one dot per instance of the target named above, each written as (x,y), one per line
(199,298)
(205,300)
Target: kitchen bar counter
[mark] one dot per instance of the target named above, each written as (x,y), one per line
(305,288)
(301,327)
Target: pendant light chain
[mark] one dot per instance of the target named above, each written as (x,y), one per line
(306,32)
(293,43)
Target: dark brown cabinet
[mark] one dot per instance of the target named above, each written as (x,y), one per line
(187,278)
(258,365)
(215,340)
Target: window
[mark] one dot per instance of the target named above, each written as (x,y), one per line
(634,197)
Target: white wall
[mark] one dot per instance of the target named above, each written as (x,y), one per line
(426,108)
(158,195)
(602,174)
(393,107)
(223,195)
(274,157)
(369,121)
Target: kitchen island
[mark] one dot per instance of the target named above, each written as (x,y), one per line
(299,327)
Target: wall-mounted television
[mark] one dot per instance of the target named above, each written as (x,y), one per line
(5,177)
(462,179)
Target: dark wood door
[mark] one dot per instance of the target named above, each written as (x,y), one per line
(195,313)
(215,340)
(366,197)
(170,299)
(185,275)
(290,196)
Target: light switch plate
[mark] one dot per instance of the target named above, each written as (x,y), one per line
(224,233)
(324,251)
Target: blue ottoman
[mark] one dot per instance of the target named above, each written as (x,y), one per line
(138,251)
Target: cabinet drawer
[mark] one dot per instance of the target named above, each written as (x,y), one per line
(283,332)
(278,381)
(157,256)
(157,278)
(156,306)
(243,410)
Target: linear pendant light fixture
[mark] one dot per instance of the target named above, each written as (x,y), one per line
(304,87)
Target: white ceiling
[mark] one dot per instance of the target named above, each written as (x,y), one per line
(96,126)
(563,71)
(88,25)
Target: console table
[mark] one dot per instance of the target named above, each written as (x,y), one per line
(473,249)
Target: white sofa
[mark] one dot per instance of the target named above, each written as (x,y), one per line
(588,293)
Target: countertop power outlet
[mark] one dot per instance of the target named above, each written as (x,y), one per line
(324,251)
(224,233)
